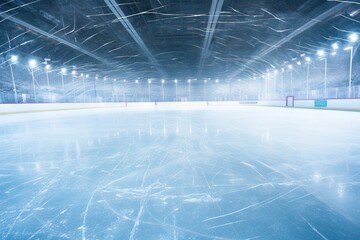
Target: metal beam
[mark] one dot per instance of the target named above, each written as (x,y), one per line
(120,15)
(212,21)
(330,12)
(59,39)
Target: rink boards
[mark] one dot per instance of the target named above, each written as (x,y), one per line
(335,104)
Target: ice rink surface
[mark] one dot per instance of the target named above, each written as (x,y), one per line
(237,173)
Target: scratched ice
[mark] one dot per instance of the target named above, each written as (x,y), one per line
(248,173)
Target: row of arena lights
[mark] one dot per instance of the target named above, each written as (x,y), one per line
(352,38)
(322,55)
(33,64)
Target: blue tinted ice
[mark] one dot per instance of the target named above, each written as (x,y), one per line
(248,173)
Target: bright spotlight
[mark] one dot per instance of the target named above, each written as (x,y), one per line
(321,53)
(73,72)
(189,80)
(217,80)
(335,46)
(63,71)
(149,81)
(47,67)
(308,59)
(290,66)
(175,80)
(32,63)
(353,37)
(136,81)
(298,63)
(87,75)
(162,81)
(14,58)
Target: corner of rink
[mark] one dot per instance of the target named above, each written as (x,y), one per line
(330,104)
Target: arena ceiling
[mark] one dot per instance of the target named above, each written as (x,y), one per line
(140,39)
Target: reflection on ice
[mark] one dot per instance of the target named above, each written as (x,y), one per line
(248,173)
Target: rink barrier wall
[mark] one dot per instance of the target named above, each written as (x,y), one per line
(42,107)
(331,104)
(336,104)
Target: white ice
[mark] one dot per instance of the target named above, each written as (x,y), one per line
(207,173)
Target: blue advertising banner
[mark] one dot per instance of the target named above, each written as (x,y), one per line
(320,103)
